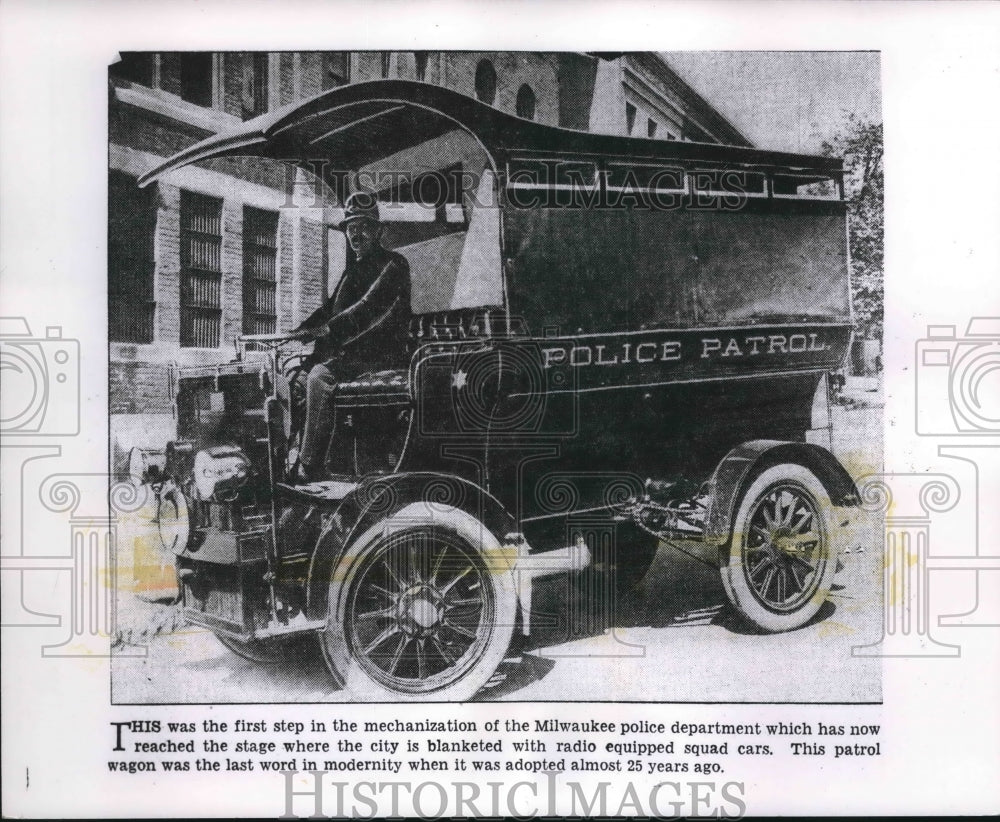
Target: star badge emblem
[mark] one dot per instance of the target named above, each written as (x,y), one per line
(458,380)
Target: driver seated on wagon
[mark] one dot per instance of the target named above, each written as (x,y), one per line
(363,327)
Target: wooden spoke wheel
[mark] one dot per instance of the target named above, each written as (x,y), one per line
(424,617)
(780,562)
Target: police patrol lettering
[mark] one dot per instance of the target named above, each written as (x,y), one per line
(647,351)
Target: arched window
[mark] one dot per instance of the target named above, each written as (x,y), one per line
(526,102)
(486,82)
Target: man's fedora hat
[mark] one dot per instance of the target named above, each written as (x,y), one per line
(360,204)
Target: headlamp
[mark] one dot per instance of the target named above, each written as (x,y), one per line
(220,472)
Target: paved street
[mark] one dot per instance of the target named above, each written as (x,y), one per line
(672,637)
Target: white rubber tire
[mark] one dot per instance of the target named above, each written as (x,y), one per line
(738,569)
(489,650)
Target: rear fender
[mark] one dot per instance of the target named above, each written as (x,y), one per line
(400,501)
(740,466)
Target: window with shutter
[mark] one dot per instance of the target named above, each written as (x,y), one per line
(131,225)
(260,271)
(201,270)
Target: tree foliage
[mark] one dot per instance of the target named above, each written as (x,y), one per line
(860,144)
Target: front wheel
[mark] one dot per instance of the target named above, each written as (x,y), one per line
(780,561)
(423,616)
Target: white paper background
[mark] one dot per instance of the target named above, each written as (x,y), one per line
(941,85)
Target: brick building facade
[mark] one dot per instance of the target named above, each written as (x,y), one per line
(209,253)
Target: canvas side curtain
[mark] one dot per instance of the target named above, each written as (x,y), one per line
(617,269)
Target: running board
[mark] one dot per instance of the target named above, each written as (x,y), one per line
(229,629)
(293,627)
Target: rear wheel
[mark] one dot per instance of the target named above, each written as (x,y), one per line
(424,616)
(780,561)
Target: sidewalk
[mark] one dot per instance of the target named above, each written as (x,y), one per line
(862,392)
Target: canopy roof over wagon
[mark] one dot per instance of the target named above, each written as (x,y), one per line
(354,124)
(680,234)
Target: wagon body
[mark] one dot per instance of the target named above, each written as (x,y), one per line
(613,339)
